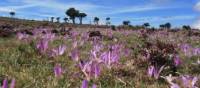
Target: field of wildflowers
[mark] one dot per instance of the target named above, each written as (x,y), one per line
(111,59)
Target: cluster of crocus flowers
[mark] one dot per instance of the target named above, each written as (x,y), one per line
(22,36)
(49,36)
(90,69)
(111,56)
(185,81)
(5,84)
(189,50)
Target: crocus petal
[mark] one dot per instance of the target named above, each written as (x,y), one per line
(75,55)
(57,71)
(150,71)
(158,73)
(84,84)
(12,85)
(42,45)
(195,79)
(177,60)
(61,49)
(175,86)
(5,83)
(94,86)
(97,71)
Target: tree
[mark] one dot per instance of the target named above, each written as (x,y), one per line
(58,19)
(168,25)
(162,26)
(127,22)
(146,25)
(108,21)
(12,14)
(96,20)
(52,19)
(72,13)
(65,19)
(81,16)
(186,27)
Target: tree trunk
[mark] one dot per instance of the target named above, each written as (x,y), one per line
(80,20)
(73,20)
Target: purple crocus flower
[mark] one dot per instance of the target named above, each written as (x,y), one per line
(127,52)
(84,66)
(154,71)
(84,84)
(12,85)
(97,47)
(95,56)
(94,86)
(186,81)
(5,83)
(20,35)
(75,44)
(196,51)
(177,60)
(58,51)
(173,85)
(75,55)
(96,70)
(42,45)
(61,49)
(58,70)
(189,82)
(150,71)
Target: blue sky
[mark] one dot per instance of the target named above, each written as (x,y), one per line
(156,12)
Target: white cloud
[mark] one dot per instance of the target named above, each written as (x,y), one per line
(169,18)
(197,23)
(197,6)
(14,8)
(62,6)
(142,8)
(3,9)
